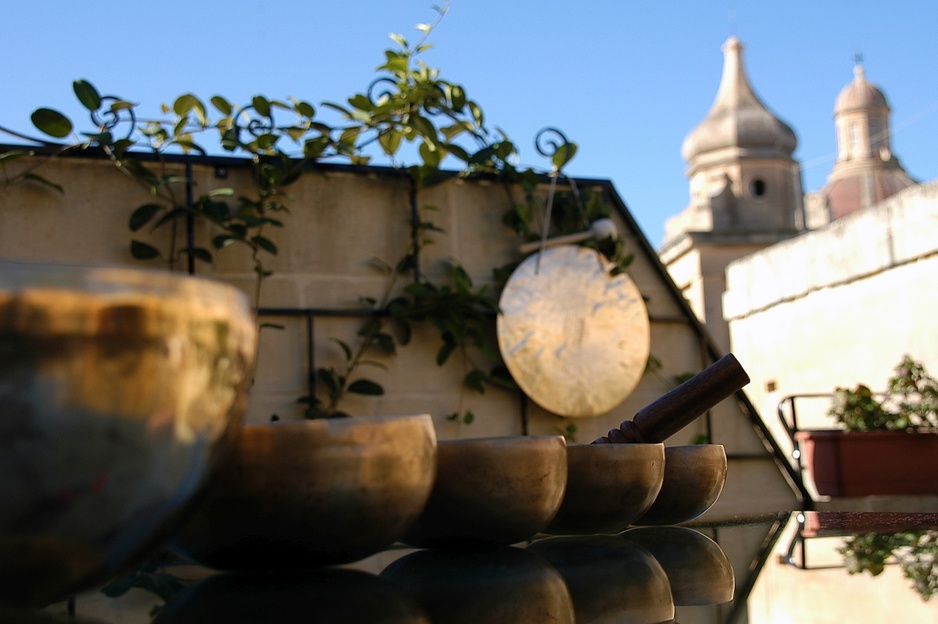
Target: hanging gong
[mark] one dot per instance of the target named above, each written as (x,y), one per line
(575,338)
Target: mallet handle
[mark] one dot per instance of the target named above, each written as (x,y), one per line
(678,408)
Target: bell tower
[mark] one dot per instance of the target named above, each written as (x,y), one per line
(745,192)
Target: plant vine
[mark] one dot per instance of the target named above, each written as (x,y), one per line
(409,104)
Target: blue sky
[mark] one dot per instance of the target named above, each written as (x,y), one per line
(625,79)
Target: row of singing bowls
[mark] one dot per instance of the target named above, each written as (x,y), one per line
(120,390)
(325,492)
(501,491)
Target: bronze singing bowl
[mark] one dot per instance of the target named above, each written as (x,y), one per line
(693,481)
(608,486)
(120,389)
(492,492)
(311,493)
(610,579)
(698,570)
(478,586)
(324,595)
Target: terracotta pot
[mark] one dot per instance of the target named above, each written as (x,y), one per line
(870,462)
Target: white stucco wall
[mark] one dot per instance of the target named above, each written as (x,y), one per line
(840,305)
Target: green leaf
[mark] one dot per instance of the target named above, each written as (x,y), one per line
(143,215)
(223,240)
(305,109)
(199,253)
(51,122)
(424,126)
(143,251)
(223,105)
(390,141)
(365,386)
(445,351)
(458,97)
(346,349)
(265,243)
(87,95)
(261,105)
(430,154)
(188,102)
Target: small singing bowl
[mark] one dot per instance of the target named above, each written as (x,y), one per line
(698,570)
(608,486)
(120,390)
(296,495)
(693,481)
(492,492)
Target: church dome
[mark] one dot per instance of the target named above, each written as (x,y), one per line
(738,119)
(859,94)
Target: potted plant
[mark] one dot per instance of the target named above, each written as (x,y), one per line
(885,444)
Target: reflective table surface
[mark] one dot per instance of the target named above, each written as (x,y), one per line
(784,567)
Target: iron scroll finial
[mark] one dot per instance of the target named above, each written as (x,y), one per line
(108,118)
(549,141)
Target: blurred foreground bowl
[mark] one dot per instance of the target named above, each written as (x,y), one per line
(296,495)
(119,390)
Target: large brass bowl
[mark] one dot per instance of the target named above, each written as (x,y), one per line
(608,486)
(120,388)
(312,493)
(694,476)
(492,492)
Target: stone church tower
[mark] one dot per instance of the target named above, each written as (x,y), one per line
(745,189)
(866,171)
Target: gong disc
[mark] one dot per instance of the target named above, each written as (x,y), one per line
(575,338)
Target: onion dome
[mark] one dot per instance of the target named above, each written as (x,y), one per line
(859,94)
(738,119)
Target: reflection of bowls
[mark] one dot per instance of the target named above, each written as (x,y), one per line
(610,579)
(492,491)
(698,570)
(318,492)
(693,480)
(119,390)
(493,585)
(326,595)
(608,486)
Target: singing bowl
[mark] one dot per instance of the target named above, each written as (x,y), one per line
(322,595)
(479,586)
(120,390)
(492,492)
(608,486)
(698,570)
(610,579)
(693,481)
(311,493)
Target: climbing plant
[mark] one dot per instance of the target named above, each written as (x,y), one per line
(409,115)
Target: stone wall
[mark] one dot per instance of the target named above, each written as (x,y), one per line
(339,221)
(840,305)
